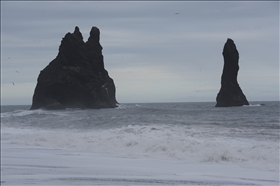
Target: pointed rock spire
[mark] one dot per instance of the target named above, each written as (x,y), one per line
(94,34)
(77,33)
(230,93)
(76,78)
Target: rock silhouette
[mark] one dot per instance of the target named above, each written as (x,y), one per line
(76,78)
(230,93)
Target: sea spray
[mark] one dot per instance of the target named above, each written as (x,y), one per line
(159,142)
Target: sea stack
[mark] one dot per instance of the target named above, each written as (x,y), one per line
(76,78)
(230,93)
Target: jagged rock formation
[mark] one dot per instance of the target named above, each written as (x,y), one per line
(230,93)
(76,78)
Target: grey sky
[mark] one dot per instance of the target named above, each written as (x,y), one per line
(152,53)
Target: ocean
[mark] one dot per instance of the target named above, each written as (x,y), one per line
(195,134)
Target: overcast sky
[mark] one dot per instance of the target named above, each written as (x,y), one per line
(154,51)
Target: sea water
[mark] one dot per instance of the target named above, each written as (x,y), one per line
(191,133)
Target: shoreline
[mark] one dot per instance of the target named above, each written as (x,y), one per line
(25,165)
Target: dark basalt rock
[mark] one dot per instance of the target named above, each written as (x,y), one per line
(230,93)
(76,78)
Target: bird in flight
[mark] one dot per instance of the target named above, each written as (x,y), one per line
(17,71)
(13,83)
(177,13)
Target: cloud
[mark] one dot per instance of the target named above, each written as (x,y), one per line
(17,93)
(151,52)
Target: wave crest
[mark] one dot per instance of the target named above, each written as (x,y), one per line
(164,142)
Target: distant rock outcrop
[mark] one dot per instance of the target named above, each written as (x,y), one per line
(230,93)
(76,78)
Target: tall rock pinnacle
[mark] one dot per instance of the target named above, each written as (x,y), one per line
(230,93)
(76,78)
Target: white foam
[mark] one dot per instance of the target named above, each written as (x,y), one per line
(22,165)
(165,142)
(19,113)
(253,105)
(122,106)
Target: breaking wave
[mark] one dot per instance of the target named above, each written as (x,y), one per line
(253,105)
(20,113)
(154,141)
